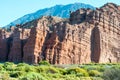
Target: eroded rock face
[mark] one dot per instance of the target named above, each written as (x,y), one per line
(88,36)
(72,48)
(32,49)
(19,37)
(3,46)
(110,34)
(94,38)
(15,54)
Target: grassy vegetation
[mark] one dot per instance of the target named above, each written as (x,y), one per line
(45,71)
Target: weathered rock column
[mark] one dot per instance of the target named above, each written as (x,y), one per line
(15,54)
(3,46)
(33,47)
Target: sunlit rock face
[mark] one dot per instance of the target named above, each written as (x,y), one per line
(87,36)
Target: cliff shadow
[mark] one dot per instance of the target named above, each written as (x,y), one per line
(95,45)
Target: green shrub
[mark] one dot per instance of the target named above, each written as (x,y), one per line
(77,70)
(29,69)
(46,69)
(62,71)
(55,75)
(4,76)
(93,67)
(46,76)
(70,77)
(22,64)
(112,74)
(9,66)
(101,68)
(41,69)
(115,66)
(25,67)
(94,73)
(16,74)
(1,68)
(79,74)
(52,70)
(44,63)
(33,76)
(96,78)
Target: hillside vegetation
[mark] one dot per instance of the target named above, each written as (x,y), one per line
(45,71)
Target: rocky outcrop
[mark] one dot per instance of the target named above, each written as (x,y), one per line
(16,50)
(32,49)
(38,35)
(109,26)
(3,45)
(15,54)
(87,36)
(71,48)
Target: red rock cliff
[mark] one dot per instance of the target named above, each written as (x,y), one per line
(87,36)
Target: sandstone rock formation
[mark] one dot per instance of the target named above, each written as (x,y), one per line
(3,45)
(16,50)
(87,36)
(33,48)
(72,48)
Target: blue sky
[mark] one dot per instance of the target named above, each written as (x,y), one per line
(10,10)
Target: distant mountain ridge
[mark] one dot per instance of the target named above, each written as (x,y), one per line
(58,10)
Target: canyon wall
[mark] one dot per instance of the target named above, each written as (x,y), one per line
(87,36)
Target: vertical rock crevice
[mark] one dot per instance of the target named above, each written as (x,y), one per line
(95,45)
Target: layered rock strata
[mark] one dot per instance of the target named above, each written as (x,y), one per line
(87,36)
